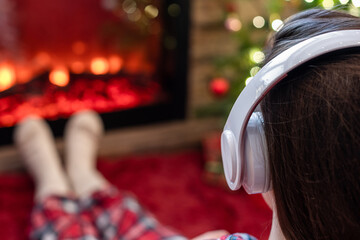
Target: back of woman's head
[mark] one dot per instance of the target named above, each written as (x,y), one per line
(312,125)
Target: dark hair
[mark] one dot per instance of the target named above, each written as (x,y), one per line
(312,126)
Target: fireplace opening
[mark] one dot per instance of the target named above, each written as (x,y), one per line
(125,59)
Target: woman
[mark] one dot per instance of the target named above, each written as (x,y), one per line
(312,130)
(312,125)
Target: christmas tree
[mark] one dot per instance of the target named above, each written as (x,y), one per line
(234,72)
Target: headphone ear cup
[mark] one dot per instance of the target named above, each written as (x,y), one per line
(256,167)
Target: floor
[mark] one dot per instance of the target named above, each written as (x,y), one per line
(172,185)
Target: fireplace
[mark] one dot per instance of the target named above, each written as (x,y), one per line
(126,59)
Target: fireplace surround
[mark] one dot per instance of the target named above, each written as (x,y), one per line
(132,69)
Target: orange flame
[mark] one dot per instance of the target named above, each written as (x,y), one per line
(42,59)
(115,64)
(59,77)
(99,66)
(78,67)
(7,77)
(23,74)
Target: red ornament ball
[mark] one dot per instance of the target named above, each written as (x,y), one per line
(219,86)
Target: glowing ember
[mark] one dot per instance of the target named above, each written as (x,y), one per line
(42,60)
(59,77)
(115,64)
(99,66)
(115,94)
(78,67)
(7,77)
(23,74)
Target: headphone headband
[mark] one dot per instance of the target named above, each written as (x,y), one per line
(232,139)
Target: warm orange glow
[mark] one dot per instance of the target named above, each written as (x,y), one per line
(7,77)
(79,47)
(42,59)
(78,67)
(7,120)
(59,76)
(135,62)
(115,64)
(99,66)
(23,74)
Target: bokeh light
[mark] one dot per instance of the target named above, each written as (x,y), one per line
(7,77)
(256,55)
(115,64)
(259,22)
(277,24)
(151,11)
(77,67)
(356,3)
(174,10)
(42,59)
(129,6)
(233,23)
(254,71)
(59,76)
(99,66)
(328,4)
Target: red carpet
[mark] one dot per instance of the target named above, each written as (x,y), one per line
(169,185)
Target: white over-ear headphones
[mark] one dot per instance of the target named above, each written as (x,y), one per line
(243,143)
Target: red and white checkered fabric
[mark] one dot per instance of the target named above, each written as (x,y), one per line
(107,214)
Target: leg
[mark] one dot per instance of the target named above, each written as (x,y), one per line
(36,144)
(55,214)
(58,217)
(82,135)
(118,215)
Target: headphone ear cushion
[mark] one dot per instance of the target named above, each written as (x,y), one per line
(256,167)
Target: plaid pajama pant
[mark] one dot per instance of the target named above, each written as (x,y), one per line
(107,214)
